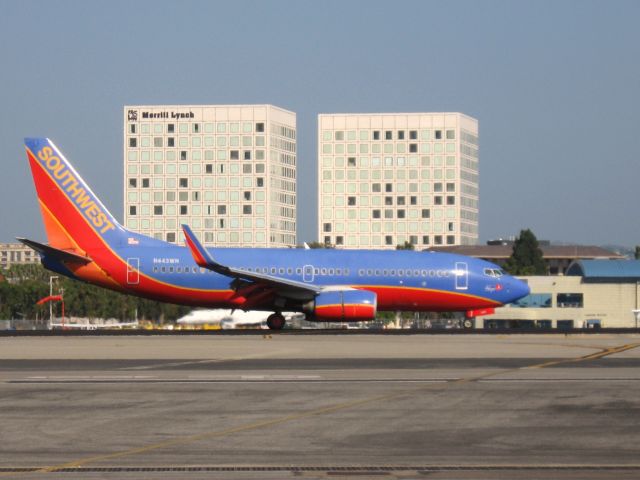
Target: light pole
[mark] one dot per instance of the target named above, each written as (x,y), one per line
(50,303)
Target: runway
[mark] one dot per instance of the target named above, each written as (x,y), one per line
(278,406)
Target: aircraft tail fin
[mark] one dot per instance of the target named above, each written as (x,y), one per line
(75,219)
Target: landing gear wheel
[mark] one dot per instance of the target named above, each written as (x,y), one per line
(275,321)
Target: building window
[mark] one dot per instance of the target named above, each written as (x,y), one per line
(413,134)
(183,209)
(437,200)
(376,134)
(388,200)
(351,201)
(388,213)
(376,214)
(438,134)
(451,187)
(426,213)
(451,239)
(413,148)
(246,168)
(388,187)
(425,239)
(133,182)
(376,187)
(437,239)
(246,209)
(401,213)
(184,183)
(451,200)
(171,128)
(183,196)
(326,227)
(145,183)
(388,240)
(133,142)
(260,127)
(400,134)
(247,154)
(196,128)
(400,201)
(234,155)
(183,155)
(222,209)
(351,162)
(570,300)
(451,134)
(132,128)
(259,182)
(132,210)
(171,237)
(157,209)
(208,168)
(157,142)
(388,135)
(171,142)
(247,196)
(339,240)
(413,200)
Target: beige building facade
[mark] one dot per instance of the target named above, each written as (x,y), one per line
(573,301)
(390,178)
(228,171)
(16,254)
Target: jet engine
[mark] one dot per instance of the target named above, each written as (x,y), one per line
(344,306)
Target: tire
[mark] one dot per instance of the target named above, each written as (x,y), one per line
(467,324)
(275,321)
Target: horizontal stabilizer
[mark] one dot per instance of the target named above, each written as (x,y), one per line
(51,252)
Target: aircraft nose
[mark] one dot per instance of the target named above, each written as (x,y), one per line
(517,289)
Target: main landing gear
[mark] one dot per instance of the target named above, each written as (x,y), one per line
(276,321)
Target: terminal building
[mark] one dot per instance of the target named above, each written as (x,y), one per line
(228,171)
(390,178)
(557,258)
(592,294)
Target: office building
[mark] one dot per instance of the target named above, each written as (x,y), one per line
(16,254)
(390,178)
(227,171)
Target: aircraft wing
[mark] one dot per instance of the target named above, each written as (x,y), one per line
(204,259)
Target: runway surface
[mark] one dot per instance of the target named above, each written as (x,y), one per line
(279,406)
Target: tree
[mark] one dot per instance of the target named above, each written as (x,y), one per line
(315,245)
(405,246)
(526,258)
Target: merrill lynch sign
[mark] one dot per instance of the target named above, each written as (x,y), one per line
(132,115)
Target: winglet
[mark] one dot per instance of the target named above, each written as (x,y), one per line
(200,254)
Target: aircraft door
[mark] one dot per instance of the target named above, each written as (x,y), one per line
(133,271)
(307,273)
(462,276)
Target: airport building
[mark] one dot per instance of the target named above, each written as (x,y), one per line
(390,178)
(557,258)
(16,254)
(228,171)
(592,294)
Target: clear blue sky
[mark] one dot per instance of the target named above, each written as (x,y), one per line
(555,86)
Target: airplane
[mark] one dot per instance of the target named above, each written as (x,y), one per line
(228,319)
(85,242)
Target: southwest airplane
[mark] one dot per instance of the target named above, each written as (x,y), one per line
(85,242)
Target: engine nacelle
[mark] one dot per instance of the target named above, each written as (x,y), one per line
(345,306)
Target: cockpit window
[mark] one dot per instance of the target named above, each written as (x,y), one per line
(493,272)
